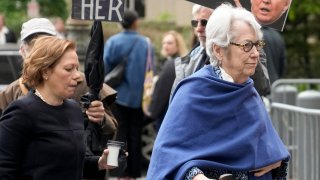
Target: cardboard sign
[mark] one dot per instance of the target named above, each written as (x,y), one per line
(265,14)
(101,10)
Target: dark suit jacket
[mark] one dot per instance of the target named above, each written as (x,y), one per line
(43,142)
(10,37)
(161,94)
(275,50)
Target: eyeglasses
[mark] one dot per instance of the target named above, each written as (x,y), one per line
(203,22)
(248,45)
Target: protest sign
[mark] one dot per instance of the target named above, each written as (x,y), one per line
(271,14)
(101,10)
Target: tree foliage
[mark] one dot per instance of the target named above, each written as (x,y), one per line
(15,11)
(302,38)
(301,33)
(60,8)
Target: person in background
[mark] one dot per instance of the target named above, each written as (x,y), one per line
(42,133)
(128,105)
(194,40)
(275,51)
(216,122)
(99,126)
(269,11)
(173,46)
(6,34)
(60,27)
(30,30)
(197,57)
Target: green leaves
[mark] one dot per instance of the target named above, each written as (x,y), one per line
(15,11)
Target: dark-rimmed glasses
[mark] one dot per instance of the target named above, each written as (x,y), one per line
(248,45)
(203,22)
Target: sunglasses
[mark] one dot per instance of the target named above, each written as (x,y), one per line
(203,22)
(248,45)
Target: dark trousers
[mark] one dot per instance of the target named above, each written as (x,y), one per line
(130,131)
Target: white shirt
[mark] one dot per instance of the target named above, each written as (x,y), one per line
(3,33)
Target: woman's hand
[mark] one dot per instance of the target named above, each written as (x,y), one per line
(264,170)
(200,177)
(102,163)
(203,177)
(95,112)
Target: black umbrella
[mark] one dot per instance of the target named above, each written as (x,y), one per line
(94,68)
(212,4)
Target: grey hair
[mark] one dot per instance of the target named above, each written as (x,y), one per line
(219,29)
(197,8)
(24,49)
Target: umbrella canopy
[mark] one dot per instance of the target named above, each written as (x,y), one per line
(94,69)
(212,4)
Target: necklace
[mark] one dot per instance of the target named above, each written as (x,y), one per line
(40,96)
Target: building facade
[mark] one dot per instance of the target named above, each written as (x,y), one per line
(177,11)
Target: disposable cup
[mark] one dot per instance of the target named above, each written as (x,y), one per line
(114,149)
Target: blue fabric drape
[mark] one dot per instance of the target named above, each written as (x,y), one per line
(217,124)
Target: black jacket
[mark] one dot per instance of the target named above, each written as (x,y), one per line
(43,142)
(275,50)
(161,95)
(10,37)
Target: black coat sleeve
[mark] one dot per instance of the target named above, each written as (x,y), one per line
(91,170)
(15,129)
(161,94)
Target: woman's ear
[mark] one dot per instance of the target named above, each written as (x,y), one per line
(22,52)
(45,74)
(218,52)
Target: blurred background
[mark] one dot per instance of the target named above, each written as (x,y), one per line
(301,34)
(301,31)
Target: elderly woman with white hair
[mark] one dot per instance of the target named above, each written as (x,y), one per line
(216,123)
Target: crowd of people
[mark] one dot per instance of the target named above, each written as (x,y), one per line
(201,103)
(214,131)
(173,46)
(51,74)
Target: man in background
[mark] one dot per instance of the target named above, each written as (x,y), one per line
(275,50)
(6,34)
(269,11)
(273,55)
(197,57)
(60,27)
(100,124)
(128,106)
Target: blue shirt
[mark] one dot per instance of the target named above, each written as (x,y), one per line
(116,47)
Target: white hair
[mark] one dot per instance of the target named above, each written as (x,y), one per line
(197,8)
(219,29)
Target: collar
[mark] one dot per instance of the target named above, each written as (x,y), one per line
(226,76)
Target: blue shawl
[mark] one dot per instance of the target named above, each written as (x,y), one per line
(217,124)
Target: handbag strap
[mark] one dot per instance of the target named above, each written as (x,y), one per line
(149,64)
(130,50)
